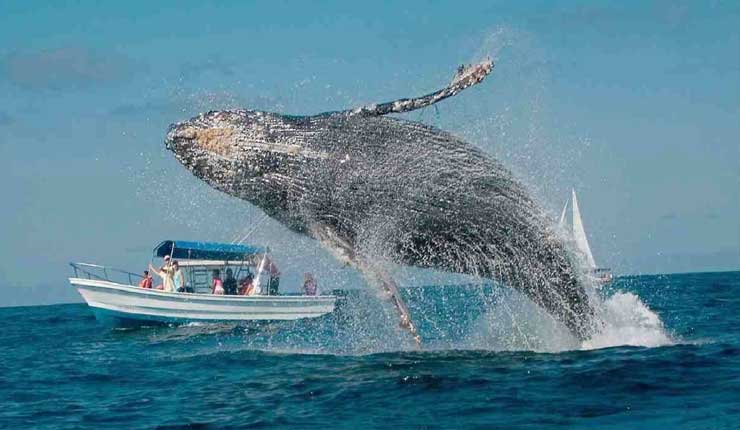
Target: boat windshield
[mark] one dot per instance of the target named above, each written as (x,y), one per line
(199,273)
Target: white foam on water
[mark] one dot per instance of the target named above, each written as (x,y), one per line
(626,321)
(516,324)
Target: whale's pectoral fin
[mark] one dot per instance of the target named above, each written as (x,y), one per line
(344,252)
(375,274)
(405,322)
(466,76)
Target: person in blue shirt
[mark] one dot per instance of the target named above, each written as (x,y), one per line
(177,278)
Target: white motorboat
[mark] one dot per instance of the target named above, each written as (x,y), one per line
(114,297)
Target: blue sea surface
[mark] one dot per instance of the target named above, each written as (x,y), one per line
(60,369)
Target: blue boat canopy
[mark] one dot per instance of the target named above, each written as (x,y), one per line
(205,250)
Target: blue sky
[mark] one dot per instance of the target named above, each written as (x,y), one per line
(635,105)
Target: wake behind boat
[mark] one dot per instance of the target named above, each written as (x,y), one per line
(116,299)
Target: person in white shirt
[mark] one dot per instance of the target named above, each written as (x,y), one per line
(167,275)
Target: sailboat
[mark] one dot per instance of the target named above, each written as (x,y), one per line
(578,234)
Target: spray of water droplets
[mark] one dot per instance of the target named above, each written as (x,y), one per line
(478,314)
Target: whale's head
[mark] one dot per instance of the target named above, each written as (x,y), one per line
(246,154)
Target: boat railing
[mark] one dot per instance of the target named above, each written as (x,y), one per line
(104,273)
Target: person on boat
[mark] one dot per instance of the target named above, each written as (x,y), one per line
(309,284)
(230,282)
(177,278)
(217,286)
(246,286)
(274,283)
(146,281)
(166,266)
(167,275)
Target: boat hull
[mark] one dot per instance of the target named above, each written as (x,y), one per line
(120,304)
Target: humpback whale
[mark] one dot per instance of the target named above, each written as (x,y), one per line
(375,189)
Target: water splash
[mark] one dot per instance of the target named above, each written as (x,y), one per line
(626,320)
(507,322)
(451,318)
(514,323)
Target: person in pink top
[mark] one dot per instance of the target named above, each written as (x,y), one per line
(274,283)
(217,287)
(309,284)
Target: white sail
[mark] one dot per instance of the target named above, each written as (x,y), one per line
(561,223)
(579,234)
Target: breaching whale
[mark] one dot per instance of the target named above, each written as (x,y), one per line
(375,189)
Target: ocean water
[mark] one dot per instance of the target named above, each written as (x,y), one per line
(668,357)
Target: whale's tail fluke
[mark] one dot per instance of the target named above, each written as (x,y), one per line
(466,77)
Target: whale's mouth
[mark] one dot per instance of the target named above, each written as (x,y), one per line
(180,139)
